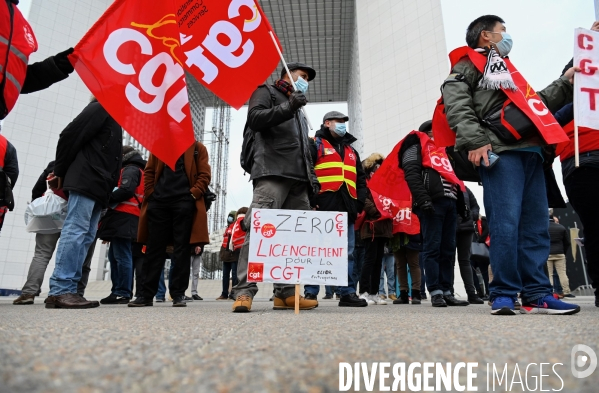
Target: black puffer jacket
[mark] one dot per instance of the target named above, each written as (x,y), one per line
(116,223)
(88,154)
(281,138)
(340,200)
(560,238)
(41,186)
(11,164)
(470,201)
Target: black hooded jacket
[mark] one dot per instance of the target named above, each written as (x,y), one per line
(41,186)
(340,200)
(470,200)
(116,223)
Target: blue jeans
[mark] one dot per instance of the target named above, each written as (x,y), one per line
(359,255)
(438,247)
(229,270)
(422,275)
(161,294)
(121,267)
(350,288)
(388,268)
(78,233)
(516,205)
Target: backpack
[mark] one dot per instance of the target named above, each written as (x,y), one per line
(246,158)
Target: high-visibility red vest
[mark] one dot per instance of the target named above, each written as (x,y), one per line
(133,205)
(16,40)
(332,171)
(227,236)
(525,98)
(237,234)
(588,140)
(3,147)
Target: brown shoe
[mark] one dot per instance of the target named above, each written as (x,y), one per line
(242,304)
(221,297)
(25,298)
(289,303)
(69,300)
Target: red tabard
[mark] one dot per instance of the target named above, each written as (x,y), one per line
(133,205)
(588,140)
(400,212)
(237,233)
(332,172)
(389,179)
(525,98)
(227,235)
(22,45)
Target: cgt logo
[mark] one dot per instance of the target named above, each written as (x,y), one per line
(268,230)
(255,271)
(579,360)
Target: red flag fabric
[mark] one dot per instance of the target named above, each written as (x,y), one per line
(226,45)
(400,212)
(130,61)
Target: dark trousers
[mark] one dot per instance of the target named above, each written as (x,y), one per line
(464,243)
(168,223)
(139,260)
(359,254)
(438,247)
(229,271)
(582,188)
(373,260)
(405,257)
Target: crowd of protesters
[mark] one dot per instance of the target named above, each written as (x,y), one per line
(148,209)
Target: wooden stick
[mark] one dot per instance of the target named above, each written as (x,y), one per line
(274,40)
(297,298)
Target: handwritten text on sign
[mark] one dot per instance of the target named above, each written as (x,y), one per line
(295,246)
(586,56)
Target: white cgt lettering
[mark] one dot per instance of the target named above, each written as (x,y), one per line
(442,162)
(250,24)
(114,42)
(535,104)
(225,52)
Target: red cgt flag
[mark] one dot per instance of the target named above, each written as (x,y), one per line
(227,46)
(130,60)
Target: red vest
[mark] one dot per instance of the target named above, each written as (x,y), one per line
(237,233)
(133,205)
(525,98)
(588,140)
(227,235)
(22,45)
(332,172)
(3,147)
(389,179)
(400,212)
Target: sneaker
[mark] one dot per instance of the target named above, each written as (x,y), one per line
(382,296)
(310,296)
(110,299)
(289,303)
(392,297)
(25,298)
(186,298)
(503,306)
(141,301)
(352,300)
(327,297)
(180,301)
(367,298)
(196,297)
(243,303)
(378,300)
(437,301)
(549,305)
(160,300)
(452,301)
(221,297)
(570,296)
(517,305)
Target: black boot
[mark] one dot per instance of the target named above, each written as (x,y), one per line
(404,298)
(473,298)
(437,301)
(416,297)
(452,301)
(596,297)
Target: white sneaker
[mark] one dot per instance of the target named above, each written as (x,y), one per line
(378,300)
(368,298)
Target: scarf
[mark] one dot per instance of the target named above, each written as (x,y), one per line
(284,87)
(496,75)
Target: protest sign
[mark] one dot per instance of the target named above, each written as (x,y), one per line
(586,83)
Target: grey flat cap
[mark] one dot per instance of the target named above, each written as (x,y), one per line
(334,115)
(300,66)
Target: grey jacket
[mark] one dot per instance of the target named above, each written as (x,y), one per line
(281,145)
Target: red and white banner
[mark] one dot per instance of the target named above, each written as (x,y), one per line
(586,83)
(133,60)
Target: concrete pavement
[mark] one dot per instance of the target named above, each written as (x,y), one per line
(207,348)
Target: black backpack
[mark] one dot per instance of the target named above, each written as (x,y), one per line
(246,158)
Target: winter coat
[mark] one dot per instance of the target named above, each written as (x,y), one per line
(281,139)
(470,201)
(41,185)
(372,228)
(117,223)
(198,173)
(340,200)
(560,238)
(11,164)
(466,103)
(89,154)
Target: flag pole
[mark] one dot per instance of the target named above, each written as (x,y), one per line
(575,107)
(289,74)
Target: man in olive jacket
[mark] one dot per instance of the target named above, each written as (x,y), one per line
(282,171)
(515,195)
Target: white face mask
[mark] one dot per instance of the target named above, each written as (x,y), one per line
(301,84)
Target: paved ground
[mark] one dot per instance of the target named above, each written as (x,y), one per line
(206,348)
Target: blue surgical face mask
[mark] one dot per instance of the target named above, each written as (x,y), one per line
(340,129)
(505,45)
(301,84)
(229,219)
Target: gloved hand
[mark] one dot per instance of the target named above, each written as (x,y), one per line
(62,61)
(428,207)
(297,99)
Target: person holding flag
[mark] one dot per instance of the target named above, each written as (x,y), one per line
(282,172)
(487,105)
